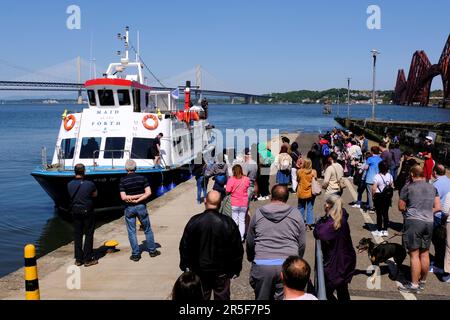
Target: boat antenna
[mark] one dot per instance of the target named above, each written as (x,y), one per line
(146,67)
(129,45)
(138,47)
(125,38)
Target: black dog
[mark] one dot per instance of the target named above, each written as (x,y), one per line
(382,252)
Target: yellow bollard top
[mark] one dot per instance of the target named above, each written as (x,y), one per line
(111,243)
(29,251)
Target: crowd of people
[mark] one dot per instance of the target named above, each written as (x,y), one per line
(274,236)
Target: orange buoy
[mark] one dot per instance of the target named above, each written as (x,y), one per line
(155,121)
(195,116)
(71,118)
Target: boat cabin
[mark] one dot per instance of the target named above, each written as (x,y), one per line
(128,94)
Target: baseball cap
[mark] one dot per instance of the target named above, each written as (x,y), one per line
(429,138)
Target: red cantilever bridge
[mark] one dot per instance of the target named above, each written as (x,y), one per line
(416,89)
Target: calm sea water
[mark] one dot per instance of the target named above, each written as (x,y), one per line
(26,212)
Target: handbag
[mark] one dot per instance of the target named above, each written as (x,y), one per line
(225,207)
(316,188)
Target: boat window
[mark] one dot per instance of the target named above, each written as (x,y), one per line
(90,148)
(137,100)
(106,97)
(124,97)
(68,148)
(163,102)
(142,148)
(91,96)
(112,146)
(152,101)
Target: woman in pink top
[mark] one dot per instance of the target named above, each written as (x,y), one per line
(237,186)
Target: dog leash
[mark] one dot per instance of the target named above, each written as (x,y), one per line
(386,241)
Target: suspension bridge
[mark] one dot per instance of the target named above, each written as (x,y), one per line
(70,76)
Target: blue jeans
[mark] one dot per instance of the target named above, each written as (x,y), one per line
(307,204)
(393,172)
(361,189)
(202,184)
(369,196)
(131,213)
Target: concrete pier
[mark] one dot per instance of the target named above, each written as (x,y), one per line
(117,277)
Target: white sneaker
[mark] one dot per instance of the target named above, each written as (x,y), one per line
(267,198)
(384,233)
(261,198)
(377,233)
(356,205)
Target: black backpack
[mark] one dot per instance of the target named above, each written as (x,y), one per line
(388,191)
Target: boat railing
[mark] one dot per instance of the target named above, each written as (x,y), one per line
(44,157)
(121,152)
(96,154)
(61,157)
(319,276)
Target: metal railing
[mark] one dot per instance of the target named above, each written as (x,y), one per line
(319,276)
(97,152)
(44,157)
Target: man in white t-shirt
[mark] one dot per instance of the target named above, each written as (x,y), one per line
(295,275)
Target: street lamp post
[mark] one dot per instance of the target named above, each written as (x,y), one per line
(348,98)
(338,106)
(375,52)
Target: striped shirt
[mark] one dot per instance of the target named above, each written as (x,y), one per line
(133,184)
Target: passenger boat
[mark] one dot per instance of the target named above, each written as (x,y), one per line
(121,122)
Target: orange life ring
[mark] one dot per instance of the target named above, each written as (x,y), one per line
(195,116)
(66,122)
(155,120)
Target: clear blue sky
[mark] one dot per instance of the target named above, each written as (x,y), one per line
(252,46)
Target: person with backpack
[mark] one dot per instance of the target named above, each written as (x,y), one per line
(219,173)
(325,153)
(383,191)
(283,163)
(82,193)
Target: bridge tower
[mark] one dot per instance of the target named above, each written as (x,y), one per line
(198,81)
